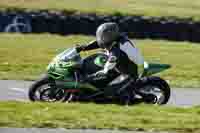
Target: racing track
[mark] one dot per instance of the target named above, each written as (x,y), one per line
(18,90)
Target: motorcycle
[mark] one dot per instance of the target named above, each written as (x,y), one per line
(71,78)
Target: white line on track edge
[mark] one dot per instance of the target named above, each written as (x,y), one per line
(18,90)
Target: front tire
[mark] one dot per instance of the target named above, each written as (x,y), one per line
(41,88)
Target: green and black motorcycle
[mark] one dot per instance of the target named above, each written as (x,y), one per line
(71,78)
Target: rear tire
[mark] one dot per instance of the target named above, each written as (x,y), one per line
(145,90)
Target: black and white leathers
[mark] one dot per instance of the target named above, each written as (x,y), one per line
(123,56)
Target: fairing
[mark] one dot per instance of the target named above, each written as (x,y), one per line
(153,68)
(63,65)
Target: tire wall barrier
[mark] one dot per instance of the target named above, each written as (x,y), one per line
(65,23)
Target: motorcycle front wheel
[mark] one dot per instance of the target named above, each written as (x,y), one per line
(42,91)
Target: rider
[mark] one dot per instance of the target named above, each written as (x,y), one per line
(123,55)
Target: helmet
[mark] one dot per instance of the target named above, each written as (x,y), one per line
(107,33)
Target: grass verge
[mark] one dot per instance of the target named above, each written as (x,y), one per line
(147,117)
(156,8)
(26,56)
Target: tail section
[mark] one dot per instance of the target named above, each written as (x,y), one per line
(152,68)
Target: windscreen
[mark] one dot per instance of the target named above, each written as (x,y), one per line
(69,54)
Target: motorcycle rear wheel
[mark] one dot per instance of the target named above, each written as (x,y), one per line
(154,90)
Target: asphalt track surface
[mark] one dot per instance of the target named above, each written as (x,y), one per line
(18,90)
(60,130)
(11,90)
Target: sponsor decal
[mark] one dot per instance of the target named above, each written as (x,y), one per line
(19,24)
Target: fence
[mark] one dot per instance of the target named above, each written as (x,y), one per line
(72,23)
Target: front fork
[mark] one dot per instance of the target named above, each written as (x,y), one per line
(54,90)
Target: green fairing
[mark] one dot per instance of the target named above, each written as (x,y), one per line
(63,71)
(100,61)
(152,68)
(70,84)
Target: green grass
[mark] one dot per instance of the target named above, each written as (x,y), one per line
(26,56)
(157,8)
(147,117)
